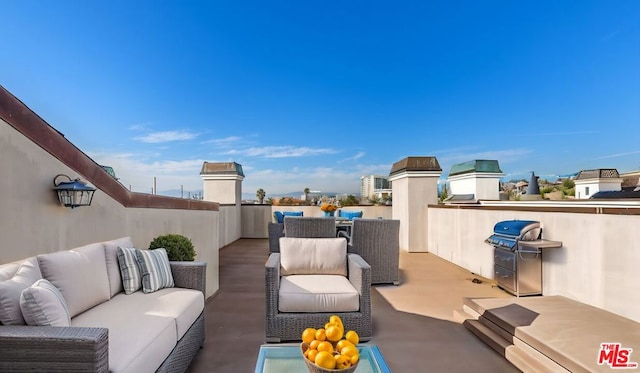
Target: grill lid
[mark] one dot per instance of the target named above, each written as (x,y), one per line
(518,229)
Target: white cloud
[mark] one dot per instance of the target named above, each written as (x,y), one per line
(224,142)
(533,134)
(166,136)
(619,155)
(355,157)
(281,151)
(139,127)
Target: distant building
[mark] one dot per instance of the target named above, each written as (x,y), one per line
(475,180)
(590,182)
(375,186)
(629,189)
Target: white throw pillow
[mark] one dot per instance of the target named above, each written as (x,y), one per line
(10,290)
(308,256)
(42,304)
(129,269)
(155,269)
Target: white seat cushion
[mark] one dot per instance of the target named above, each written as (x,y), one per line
(317,293)
(144,328)
(313,256)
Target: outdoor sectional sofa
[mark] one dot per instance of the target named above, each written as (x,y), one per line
(110,331)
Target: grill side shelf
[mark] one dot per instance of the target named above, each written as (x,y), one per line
(540,244)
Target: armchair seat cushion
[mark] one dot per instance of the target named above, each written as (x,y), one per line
(317,293)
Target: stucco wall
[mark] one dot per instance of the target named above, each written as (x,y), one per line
(230,227)
(33,222)
(598,263)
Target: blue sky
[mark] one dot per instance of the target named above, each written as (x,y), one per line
(318,94)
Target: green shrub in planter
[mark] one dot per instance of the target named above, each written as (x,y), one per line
(179,248)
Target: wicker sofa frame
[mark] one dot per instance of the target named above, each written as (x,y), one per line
(81,349)
(288,326)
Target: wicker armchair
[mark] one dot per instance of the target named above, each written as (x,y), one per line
(276,230)
(288,326)
(378,242)
(309,227)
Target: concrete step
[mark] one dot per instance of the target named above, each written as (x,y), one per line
(519,354)
(494,340)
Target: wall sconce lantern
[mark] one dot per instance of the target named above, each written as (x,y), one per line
(73,193)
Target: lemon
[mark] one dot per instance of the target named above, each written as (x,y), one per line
(320,334)
(325,360)
(325,346)
(334,333)
(312,355)
(314,344)
(352,337)
(308,335)
(342,361)
(336,320)
(349,351)
(342,343)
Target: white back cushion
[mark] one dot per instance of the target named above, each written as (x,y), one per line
(113,269)
(27,273)
(308,256)
(80,275)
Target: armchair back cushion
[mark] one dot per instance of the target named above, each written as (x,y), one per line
(350,214)
(313,256)
(80,275)
(280,215)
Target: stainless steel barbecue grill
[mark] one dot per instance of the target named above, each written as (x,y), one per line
(517,256)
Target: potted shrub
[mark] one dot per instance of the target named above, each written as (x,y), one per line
(179,248)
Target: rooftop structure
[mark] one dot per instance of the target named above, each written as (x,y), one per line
(474,180)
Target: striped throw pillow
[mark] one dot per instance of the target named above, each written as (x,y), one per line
(129,270)
(155,270)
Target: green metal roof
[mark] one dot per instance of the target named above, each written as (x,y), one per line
(478,165)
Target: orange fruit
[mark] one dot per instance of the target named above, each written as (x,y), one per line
(325,360)
(325,346)
(334,333)
(308,335)
(320,334)
(352,337)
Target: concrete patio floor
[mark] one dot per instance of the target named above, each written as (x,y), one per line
(417,325)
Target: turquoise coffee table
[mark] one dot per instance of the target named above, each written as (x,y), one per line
(286,357)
